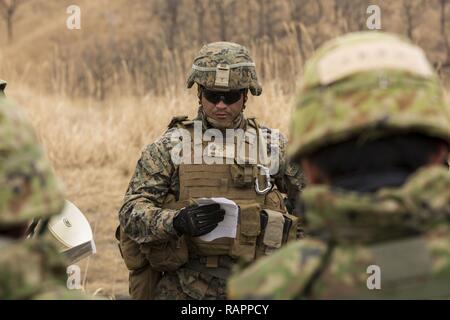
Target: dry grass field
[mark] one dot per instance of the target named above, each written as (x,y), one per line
(98,95)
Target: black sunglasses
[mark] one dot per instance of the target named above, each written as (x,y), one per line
(229,97)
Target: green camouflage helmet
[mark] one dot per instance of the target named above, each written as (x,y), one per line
(367,84)
(224,66)
(28,188)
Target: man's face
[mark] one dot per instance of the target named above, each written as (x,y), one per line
(222,107)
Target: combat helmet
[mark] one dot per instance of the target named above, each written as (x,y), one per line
(367,84)
(28,188)
(224,66)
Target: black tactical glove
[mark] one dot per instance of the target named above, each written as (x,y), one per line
(197,220)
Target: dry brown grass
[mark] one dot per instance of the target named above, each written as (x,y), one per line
(121,45)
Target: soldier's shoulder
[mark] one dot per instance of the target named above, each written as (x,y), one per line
(180,122)
(164,143)
(281,275)
(173,131)
(160,149)
(273,136)
(28,267)
(274,133)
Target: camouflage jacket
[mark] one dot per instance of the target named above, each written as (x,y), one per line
(394,243)
(156,176)
(33,269)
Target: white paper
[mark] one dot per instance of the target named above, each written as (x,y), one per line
(227,227)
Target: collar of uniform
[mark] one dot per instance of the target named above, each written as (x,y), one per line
(238,123)
(420,204)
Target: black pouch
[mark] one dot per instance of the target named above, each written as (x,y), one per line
(264,220)
(286,228)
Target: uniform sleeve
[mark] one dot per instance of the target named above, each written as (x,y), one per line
(141,215)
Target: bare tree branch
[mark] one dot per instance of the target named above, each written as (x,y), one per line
(412,9)
(8,9)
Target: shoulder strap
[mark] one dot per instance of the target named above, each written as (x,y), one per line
(179,122)
(253,123)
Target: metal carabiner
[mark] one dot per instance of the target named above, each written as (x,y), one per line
(268,183)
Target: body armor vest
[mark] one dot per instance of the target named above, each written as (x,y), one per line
(263,222)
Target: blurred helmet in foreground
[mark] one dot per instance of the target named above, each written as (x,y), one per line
(28,187)
(367,84)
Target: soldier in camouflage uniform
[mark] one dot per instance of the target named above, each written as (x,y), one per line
(160,222)
(29,269)
(371,129)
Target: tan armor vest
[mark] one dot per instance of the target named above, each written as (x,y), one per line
(263,222)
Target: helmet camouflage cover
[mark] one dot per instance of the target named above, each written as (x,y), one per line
(28,188)
(367,84)
(224,66)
